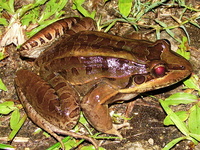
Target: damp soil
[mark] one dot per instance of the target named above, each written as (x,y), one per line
(146,130)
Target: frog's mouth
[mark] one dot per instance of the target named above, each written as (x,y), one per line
(167,80)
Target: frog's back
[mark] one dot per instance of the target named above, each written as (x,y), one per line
(93,43)
(89,55)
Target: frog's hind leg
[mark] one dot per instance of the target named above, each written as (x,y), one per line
(33,92)
(52,130)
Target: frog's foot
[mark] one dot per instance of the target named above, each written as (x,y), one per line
(113,131)
(75,135)
(119,126)
(140,102)
(115,128)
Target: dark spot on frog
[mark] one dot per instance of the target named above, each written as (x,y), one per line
(41,40)
(93,37)
(58,33)
(66,96)
(74,113)
(88,70)
(121,44)
(70,125)
(24,47)
(82,38)
(33,43)
(48,36)
(41,93)
(101,42)
(52,105)
(74,71)
(63,73)
(59,85)
(155,51)
(105,68)
(74,60)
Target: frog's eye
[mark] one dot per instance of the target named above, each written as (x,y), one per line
(159,71)
(139,79)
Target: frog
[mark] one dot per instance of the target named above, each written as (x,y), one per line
(88,70)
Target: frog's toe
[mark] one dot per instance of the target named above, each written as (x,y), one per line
(119,126)
(114,131)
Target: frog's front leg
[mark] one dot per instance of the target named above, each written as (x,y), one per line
(95,108)
(52,105)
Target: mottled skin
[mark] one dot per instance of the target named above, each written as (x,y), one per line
(89,70)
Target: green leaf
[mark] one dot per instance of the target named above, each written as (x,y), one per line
(78,5)
(179,124)
(84,122)
(17,127)
(43,25)
(7,103)
(3,22)
(193,120)
(157,32)
(91,147)
(24,10)
(125,7)
(38,13)
(71,143)
(195,136)
(2,55)
(7,5)
(57,145)
(167,29)
(194,23)
(11,6)
(181,98)
(7,107)
(6,147)
(192,82)
(52,7)
(173,143)
(183,49)
(82,119)
(2,86)
(183,115)
(187,34)
(14,120)
(32,16)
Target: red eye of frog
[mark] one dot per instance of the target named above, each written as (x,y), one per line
(159,71)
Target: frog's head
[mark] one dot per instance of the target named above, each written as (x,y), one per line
(165,68)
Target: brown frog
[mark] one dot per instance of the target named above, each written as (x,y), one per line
(88,70)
